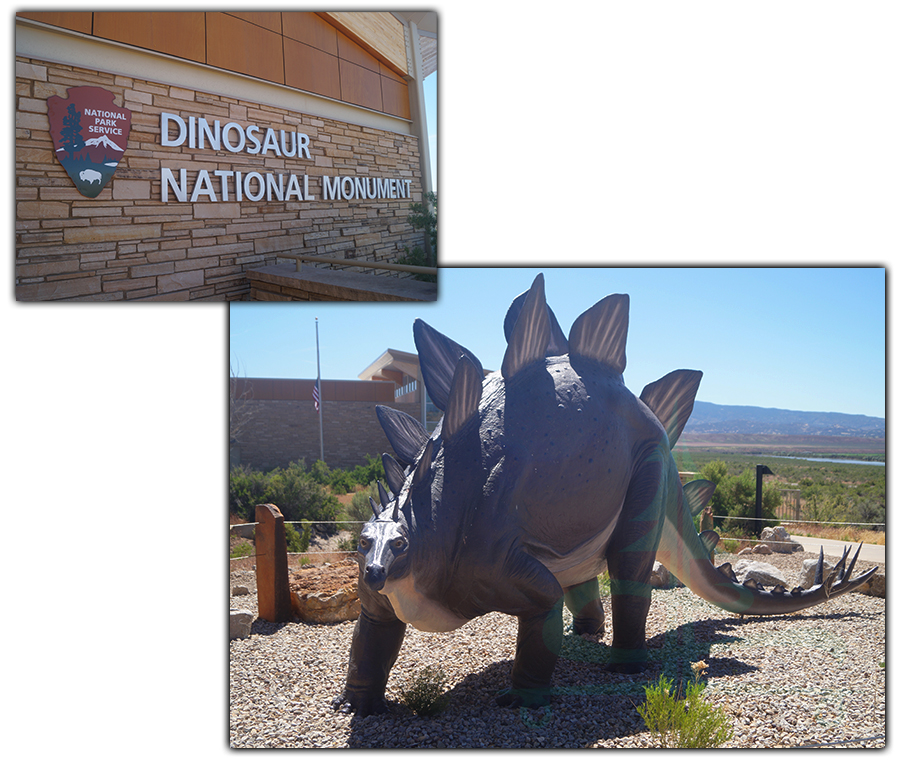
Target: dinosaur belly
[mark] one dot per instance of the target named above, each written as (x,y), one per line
(577,565)
(421,612)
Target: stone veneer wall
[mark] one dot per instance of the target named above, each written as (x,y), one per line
(128,244)
(278,432)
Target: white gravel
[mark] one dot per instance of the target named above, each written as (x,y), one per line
(814,677)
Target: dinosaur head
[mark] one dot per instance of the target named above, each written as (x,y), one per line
(384,547)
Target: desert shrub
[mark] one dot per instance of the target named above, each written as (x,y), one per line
(425,694)
(359,509)
(344,481)
(735,495)
(292,489)
(425,218)
(245,549)
(297,537)
(688,722)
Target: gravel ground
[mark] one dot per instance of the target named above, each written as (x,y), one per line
(814,677)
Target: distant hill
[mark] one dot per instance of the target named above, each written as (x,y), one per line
(708,418)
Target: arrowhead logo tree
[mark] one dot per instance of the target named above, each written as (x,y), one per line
(90,135)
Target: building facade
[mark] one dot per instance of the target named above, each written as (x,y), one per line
(162,155)
(275,421)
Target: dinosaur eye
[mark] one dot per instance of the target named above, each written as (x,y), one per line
(364,543)
(398,544)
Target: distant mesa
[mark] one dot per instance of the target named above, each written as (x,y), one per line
(708,418)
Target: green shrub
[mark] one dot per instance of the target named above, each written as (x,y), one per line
(425,218)
(344,481)
(297,539)
(292,489)
(735,495)
(425,694)
(242,550)
(688,722)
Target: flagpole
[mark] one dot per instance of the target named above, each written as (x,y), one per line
(319,387)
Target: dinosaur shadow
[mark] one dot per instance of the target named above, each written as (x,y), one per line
(588,703)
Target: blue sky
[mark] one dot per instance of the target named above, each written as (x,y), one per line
(792,338)
(429,86)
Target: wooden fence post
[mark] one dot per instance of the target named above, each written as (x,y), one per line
(272,590)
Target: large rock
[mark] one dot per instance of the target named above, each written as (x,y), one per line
(239,625)
(779,541)
(875,586)
(662,578)
(808,571)
(322,608)
(760,572)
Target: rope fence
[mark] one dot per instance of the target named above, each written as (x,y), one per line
(782,522)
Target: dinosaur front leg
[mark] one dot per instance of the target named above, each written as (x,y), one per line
(376,643)
(583,600)
(530,592)
(537,650)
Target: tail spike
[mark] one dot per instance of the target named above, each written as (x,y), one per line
(853,562)
(726,569)
(820,566)
(778,589)
(840,566)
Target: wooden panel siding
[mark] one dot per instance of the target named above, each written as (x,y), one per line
(79,21)
(381,33)
(271,20)
(361,86)
(357,57)
(308,68)
(237,45)
(311,30)
(178,33)
(395,97)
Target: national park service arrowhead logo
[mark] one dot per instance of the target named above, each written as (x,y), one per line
(90,134)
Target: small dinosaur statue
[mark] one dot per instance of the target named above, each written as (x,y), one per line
(537,478)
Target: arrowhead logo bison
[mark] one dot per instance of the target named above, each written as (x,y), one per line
(90,134)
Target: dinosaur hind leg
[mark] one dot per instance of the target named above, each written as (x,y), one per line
(583,600)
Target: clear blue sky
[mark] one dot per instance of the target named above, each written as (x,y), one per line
(799,339)
(429,87)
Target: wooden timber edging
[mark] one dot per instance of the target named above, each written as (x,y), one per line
(284,282)
(390,267)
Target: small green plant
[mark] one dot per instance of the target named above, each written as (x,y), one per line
(424,217)
(242,550)
(297,540)
(425,694)
(688,722)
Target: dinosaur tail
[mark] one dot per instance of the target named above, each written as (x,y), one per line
(686,554)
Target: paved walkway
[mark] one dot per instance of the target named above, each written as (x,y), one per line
(835,548)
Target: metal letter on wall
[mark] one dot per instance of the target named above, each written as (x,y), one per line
(90,135)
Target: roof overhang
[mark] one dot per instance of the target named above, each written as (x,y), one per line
(391,360)
(426,24)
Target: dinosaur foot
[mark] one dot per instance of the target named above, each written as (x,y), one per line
(529,698)
(588,627)
(362,705)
